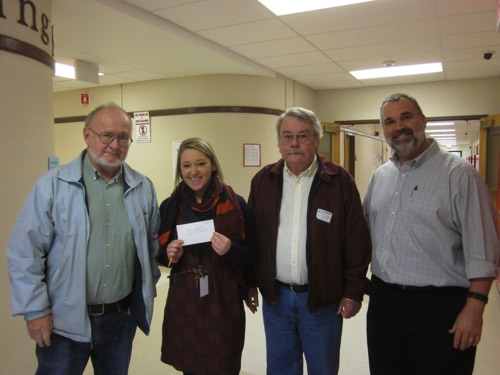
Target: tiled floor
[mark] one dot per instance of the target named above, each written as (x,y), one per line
(354,360)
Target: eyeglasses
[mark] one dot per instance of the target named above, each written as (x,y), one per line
(124,140)
(302,138)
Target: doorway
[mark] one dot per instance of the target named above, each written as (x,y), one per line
(350,154)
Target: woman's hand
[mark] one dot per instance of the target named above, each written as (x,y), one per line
(175,251)
(220,243)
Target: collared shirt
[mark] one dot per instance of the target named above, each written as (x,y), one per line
(431,221)
(110,252)
(292,233)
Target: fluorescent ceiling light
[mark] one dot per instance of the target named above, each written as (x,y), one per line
(283,7)
(440,123)
(440,131)
(396,71)
(66,71)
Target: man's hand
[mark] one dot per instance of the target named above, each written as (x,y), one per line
(469,322)
(253,300)
(348,308)
(40,330)
(468,325)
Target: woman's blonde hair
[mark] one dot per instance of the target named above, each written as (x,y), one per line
(205,148)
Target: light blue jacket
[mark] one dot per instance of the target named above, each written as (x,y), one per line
(47,251)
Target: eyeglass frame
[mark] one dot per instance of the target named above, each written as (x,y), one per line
(305,140)
(115,136)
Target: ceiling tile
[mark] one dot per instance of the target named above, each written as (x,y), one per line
(467,23)
(294,59)
(378,34)
(303,70)
(275,48)
(359,16)
(252,32)
(451,7)
(211,14)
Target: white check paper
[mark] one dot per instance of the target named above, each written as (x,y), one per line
(194,233)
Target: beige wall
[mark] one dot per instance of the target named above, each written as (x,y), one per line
(226,132)
(448,98)
(155,159)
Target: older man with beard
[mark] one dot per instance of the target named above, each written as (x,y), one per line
(82,254)
(435,252)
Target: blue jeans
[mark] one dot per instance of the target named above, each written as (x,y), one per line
(291,330)
(110,349)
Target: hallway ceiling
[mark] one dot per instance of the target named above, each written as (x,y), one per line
(139,40)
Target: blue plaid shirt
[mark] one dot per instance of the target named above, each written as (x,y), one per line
(432,221)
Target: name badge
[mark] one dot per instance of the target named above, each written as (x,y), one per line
(203,286)
(324,215)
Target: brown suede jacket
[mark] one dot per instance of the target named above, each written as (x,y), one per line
(338,252)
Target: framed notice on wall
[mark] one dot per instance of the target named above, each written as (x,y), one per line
(251,155)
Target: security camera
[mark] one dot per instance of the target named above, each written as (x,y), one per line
(487,55)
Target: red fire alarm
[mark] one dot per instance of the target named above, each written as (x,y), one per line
(84,99)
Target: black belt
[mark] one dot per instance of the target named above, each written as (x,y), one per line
(411,287)
(107,308)
(404,287)
(295,287)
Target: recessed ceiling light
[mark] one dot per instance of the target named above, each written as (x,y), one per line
(283,7)
(395,71)
(65,71)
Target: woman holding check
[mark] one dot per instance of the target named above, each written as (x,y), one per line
(204,321)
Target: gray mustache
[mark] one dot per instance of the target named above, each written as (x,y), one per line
(406,131)
(295,151)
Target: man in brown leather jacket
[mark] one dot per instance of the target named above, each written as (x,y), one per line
(313,249)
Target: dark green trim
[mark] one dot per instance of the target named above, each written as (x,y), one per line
(190,111)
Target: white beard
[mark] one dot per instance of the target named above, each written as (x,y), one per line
(103,162)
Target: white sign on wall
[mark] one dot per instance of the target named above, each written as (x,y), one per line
(142,127)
